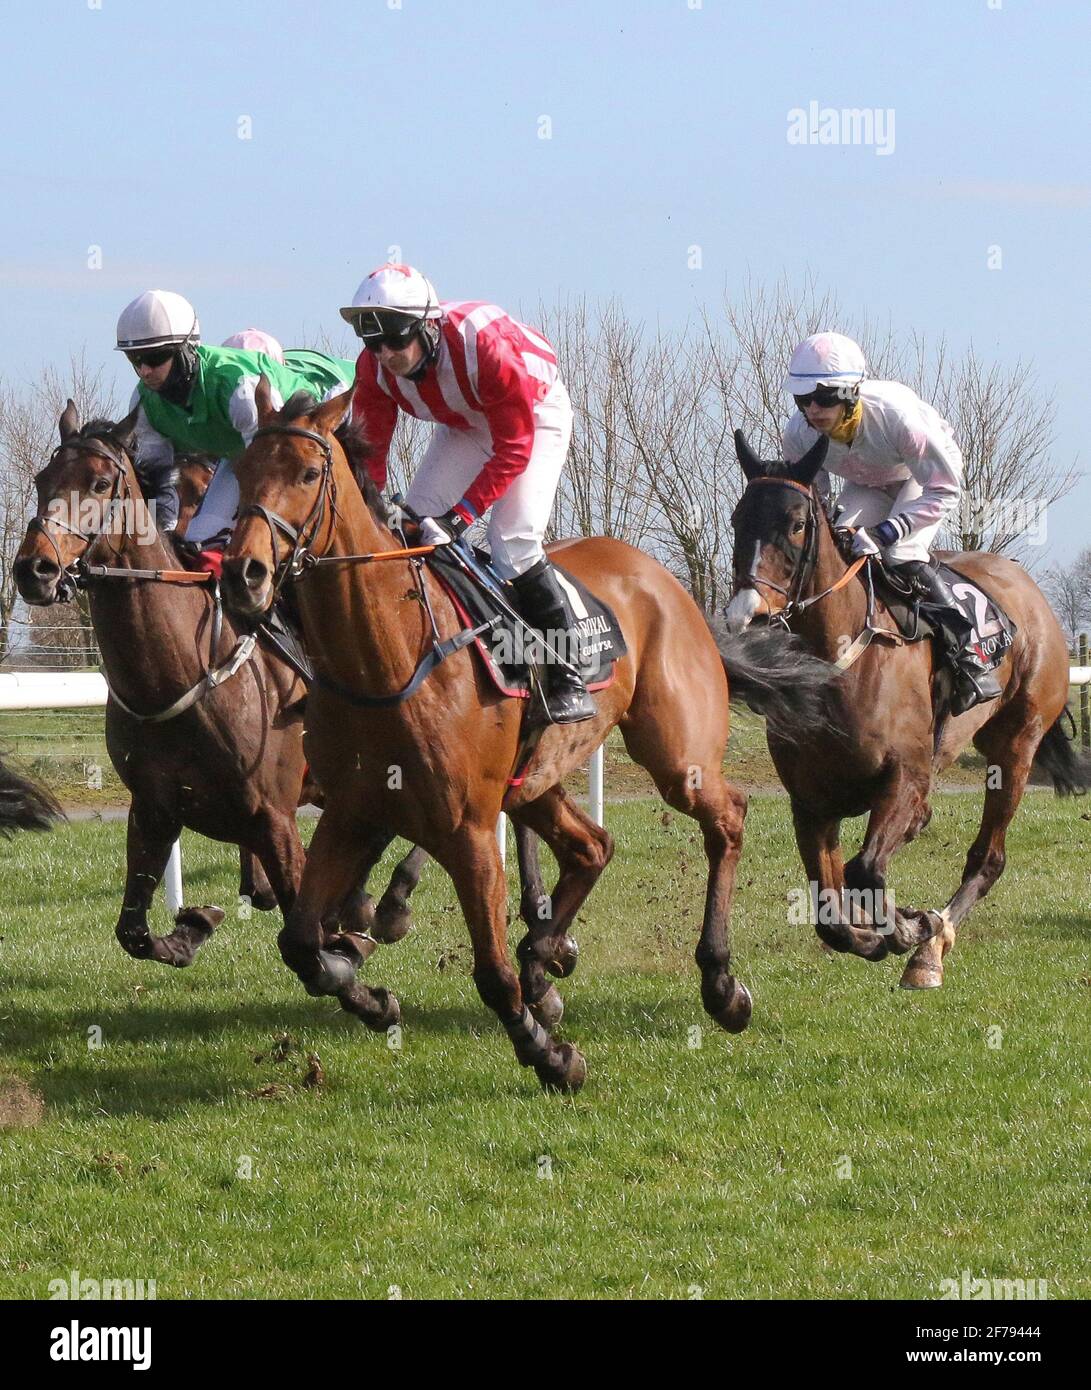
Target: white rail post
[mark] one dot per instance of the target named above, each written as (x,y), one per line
(172,878)
(594,780)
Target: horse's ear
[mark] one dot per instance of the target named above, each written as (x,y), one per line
(749,461)
(69,422)
(807,468)
(125,430)
(331,413)
(263,399)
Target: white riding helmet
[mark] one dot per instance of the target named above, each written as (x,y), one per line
(825,359)
(398,289)
(157,318)
(254,340)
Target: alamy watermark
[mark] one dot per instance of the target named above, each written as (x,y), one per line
(826,125)
(88,517)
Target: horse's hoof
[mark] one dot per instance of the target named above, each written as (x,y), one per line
(921,977)
(549,1010)
(566,958)
(207,918)
(387,1011)
(335,973)
(568,1074)
(391,924)
(735,1015)
(264,902)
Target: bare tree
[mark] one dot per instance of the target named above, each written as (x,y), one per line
(1068,588)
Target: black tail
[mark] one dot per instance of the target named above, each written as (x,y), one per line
(24,805)
(1067,767)
(773,672)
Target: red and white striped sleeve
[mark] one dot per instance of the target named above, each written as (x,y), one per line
(508,392)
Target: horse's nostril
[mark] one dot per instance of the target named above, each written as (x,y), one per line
(254,573)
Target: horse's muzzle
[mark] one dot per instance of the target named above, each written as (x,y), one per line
(37,578)
(247,585)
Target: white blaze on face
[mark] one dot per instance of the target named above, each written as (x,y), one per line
(741,609)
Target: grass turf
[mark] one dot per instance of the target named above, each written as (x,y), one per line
(855,1142)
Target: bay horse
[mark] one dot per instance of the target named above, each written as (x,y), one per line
(789,570)
(436,766)
(203,727)
(24,803)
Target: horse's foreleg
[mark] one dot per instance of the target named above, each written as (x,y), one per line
(148,845)
(341,855)
(582,850)
(897,815)
(1010,758)
(473,861)
(254,885)
(393,918)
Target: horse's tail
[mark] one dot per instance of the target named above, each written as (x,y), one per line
(773,672)
(1067,767)
(24,804)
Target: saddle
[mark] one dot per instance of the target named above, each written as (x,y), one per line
(510,650)
(979,624)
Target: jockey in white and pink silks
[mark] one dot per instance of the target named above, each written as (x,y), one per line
(903,478)
(502,422)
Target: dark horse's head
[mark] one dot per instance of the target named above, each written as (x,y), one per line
(89,471)
(776,533)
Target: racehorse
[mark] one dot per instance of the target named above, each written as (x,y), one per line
(204,729)
(790,571)
(433,759)
(24,803)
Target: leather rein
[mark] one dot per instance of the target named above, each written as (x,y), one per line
(80,575)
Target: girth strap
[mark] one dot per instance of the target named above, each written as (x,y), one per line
(440,651)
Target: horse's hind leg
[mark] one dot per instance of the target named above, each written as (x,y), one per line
(582,850)
(148,845)
(392,917)
(254,885)
(1010,755)
(696,786)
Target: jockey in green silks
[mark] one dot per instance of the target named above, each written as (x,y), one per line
(198,399)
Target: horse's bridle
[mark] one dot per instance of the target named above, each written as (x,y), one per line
(99,447)
(304,536)
(804,564)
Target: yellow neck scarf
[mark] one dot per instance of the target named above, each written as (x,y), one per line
(845,432)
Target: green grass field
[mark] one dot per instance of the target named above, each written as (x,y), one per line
(856,1142)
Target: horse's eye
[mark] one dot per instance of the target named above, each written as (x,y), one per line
(101,485)
(312,475)
(798,528)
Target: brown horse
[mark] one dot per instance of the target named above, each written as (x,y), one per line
(24,803)
(435,767)
(789,568)
(223,757)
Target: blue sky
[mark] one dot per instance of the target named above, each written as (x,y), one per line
(418,126)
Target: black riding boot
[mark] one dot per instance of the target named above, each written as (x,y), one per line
(972,684)
(545,605)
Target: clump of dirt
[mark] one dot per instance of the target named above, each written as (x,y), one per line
(21,1107)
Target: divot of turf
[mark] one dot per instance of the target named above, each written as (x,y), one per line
(21,1107)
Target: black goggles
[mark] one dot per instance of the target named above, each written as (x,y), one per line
(151,357)
(376,331)
(825,396)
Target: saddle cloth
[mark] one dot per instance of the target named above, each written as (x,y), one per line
(506,649)
(989,632)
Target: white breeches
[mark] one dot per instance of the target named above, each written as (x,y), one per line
(518,519)
(218,506)
(858,505)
